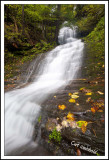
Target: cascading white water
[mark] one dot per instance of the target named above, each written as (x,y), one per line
(22,106)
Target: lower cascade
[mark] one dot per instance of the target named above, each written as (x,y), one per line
(22,106)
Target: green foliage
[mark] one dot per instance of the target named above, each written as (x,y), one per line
(97,154)
(55,135)
(96,39)
(96,49)
(39,119)
(40,24)
(28,58)
(88,16)
(9,55)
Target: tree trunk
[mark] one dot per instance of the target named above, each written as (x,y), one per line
(23,23)
(15,24)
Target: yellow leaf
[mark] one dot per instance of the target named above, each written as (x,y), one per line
(70,94)
(62,107)
(80,123)
(83,128)
(103,66)
(70,116)
(100,110)
(77,104)
(54,96)
(89,93)
(72,100)
(100,92)
(81,88)
(74,96)
(100,104)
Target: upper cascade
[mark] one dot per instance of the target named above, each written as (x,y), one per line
(66,34)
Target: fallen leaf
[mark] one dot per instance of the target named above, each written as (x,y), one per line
(74,96)
(90,93)
(98,104)
(54,96)
(58,127)
(70,116)
(96,108)
(83,128)
(78,152)
(93,110)
(70,94)
(88,99)
(72,100)
(86,90)
(100,92)
(77,104)
(62,107)
(82,88)
(80,123)
(64,123)
(100,110)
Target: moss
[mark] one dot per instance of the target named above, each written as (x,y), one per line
(95,50)
(55,135)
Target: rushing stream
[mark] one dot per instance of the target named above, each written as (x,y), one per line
(22,106)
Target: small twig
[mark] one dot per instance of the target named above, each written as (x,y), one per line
(94,132)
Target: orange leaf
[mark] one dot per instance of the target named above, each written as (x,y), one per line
(93,110)
(78,152)
(62,107)
(96,108)
(70,94)
(70,116)
(83,128)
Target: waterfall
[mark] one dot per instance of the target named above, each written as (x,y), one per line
(22,106)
